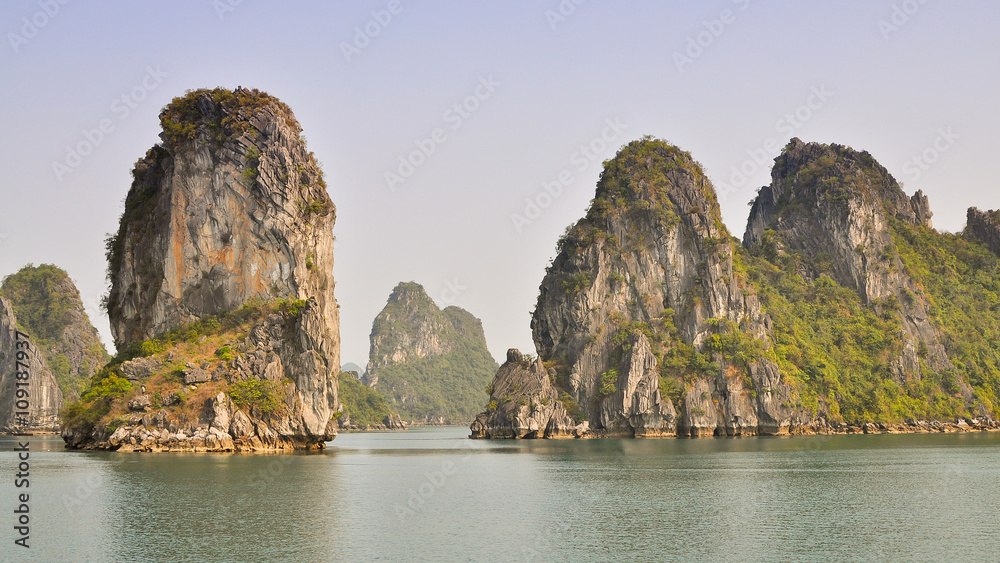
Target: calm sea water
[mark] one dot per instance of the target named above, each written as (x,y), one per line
(434,495)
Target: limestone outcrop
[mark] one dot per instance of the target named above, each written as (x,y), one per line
(983,227)
(524,404)
(231,206)
(44,398)
(229,214)
(833,206)
(46,304)
(629,315)
(266,398)
(430,364)
(843,310)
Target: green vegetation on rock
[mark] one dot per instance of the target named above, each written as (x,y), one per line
(48,308)
(366,406)
(41,307)
(432,365)
(448,387)
(183,116)
(962,279)
(841,352)
(209,339)
(263,395)
(833,347)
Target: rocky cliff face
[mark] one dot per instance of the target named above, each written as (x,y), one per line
(431,364)
(43,394)
(983,227)
(642,318)
(229,212)
(48,305)
(255,387)
(230,207)
(833,206)
(530,405)
(846,311)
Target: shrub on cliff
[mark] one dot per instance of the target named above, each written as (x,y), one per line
(365,406)
(265,396)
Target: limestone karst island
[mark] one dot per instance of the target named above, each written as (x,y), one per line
(557,281)
(842,310)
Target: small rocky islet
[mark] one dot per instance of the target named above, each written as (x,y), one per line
(841,310)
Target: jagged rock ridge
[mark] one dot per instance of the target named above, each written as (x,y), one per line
(229,211)
(983,227)
(432,365)
(833,205)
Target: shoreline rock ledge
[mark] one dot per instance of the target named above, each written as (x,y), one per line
(221,300)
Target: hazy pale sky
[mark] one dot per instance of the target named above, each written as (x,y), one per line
(513,106)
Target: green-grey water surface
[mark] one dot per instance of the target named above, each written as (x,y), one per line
(434,495)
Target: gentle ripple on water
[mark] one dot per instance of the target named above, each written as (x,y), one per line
(433,495)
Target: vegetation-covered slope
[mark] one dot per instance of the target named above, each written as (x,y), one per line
(843,305)
(877,316)
(225,382)
(432,365)
(363,406)
(48,307)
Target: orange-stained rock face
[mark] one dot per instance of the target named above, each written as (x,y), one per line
(231,208)
(232,211)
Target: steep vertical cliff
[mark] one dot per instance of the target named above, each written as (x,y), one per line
(431,364)
(227,238)
(231,206)
(43,399)
(643,323)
